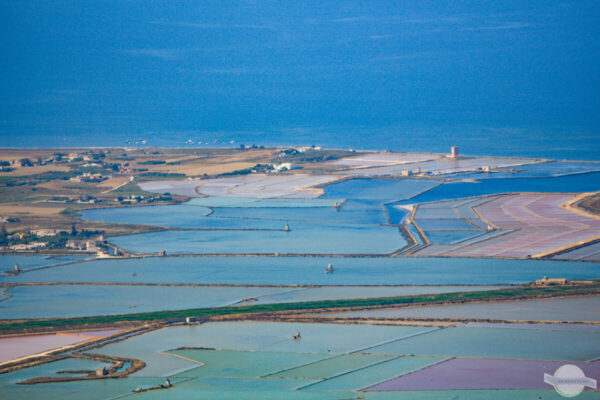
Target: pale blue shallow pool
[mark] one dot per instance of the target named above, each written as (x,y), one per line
(55,301)
(7,262)
(304,238)
(311,270)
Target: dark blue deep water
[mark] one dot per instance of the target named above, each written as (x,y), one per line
(587,182)
(503,77)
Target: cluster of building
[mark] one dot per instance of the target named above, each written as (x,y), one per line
(87,245)
(35,241)
(545,281)
(88,177)
(297,150)
(28,246)
(283,167)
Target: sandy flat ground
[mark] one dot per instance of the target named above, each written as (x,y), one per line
(384,159)
(439,166)
(254,186)
(265,186)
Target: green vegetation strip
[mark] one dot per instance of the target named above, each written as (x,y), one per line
(501,294)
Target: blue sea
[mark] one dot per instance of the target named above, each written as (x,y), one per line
(500,77)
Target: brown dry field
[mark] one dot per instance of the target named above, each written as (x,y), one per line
(247,155)
(200,168)
(26,201)
(16,154)
(38,169)
(206,164)
(591,204)
(113,182)
(28,209)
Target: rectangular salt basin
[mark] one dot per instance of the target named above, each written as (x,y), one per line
(565,309)
(477,373)
(590,252)
(21,346)
(377,159)
(499,343)
(310,270)
(373,374)
(442,166)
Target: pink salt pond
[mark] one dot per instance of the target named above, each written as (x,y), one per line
(477,373)
(21,346)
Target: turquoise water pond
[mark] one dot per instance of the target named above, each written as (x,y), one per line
(250,336)
(260,360)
